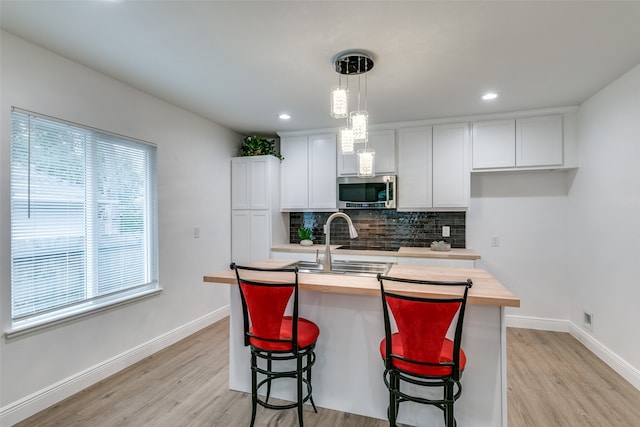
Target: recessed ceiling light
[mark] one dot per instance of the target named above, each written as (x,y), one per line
(284,116)
(489,96)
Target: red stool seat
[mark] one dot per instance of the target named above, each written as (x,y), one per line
(308,333)
(446,355)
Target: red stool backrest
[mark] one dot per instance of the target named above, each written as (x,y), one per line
(423,323)
(423,326)
(264,303)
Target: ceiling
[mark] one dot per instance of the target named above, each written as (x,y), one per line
(241,63)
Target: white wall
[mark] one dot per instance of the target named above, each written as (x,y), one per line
(526,211)
(193,189)
(604,208)
(570,241)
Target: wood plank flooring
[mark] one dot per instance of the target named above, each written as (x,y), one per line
(553,381)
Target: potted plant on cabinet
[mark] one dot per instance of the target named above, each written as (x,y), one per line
(258,146)
(306,236)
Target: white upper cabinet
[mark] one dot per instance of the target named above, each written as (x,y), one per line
(322,172)
(433,167)
(531,142)
(251,181)
(451,166)
(539,141)
(294,173)
(308,173)
(494,144)
(384,144)
(415,168)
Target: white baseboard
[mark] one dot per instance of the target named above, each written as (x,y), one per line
(539,323)
(617,363)
(34,403)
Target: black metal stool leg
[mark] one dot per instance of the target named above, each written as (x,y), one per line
(299,384)
(393,399)
(448,406)
(268,377)
(309,379)
(254,390)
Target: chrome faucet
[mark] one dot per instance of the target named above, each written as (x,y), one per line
(326,262)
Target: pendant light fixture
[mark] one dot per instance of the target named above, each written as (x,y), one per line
(356,63)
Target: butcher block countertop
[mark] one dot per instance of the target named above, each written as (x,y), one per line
(404,251)
(486,289)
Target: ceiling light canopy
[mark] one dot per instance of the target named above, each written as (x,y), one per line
(353,63)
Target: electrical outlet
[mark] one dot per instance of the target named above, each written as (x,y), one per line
(446,230)
(587,320)
(495,241)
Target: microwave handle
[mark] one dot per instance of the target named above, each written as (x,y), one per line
(386,204)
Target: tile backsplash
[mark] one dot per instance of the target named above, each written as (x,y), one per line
(383,229)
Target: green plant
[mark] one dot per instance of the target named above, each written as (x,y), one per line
(305,233)
(257,146)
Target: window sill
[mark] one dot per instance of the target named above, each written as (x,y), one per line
(19,329)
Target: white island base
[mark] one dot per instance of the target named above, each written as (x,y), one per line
(348,372)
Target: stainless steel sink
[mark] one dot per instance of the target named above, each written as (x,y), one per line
(351,268)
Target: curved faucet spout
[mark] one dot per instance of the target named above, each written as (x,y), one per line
(326,262)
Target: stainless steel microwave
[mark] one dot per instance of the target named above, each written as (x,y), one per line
(378,192)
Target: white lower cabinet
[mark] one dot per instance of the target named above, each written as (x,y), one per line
(251,236)
(438,262)
(433,167)
(308,173)
(422,261)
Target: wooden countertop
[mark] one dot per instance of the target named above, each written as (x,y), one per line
(403,251)
(486,289)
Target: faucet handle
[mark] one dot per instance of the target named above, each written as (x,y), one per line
(318,259)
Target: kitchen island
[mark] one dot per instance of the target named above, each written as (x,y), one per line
(348,372)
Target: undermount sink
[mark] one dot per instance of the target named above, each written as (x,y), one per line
(352,268)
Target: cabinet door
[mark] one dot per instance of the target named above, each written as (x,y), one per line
(539,141)
(294,173)
(384,144)
(241,237)
(241,183)
(414,168)
(347,162)
(322,172)
(260,183)
(451,175)
(260,240)
(494,144)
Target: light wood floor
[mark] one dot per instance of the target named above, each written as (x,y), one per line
(553,382)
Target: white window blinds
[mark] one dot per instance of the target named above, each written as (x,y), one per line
(83,217)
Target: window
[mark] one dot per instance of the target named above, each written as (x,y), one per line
(83,219)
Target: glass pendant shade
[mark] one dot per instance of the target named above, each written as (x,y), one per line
(345,139)
(339,107)
(358,121)
(365,160)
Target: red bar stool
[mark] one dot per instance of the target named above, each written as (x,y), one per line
(274,337)
(419,352)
